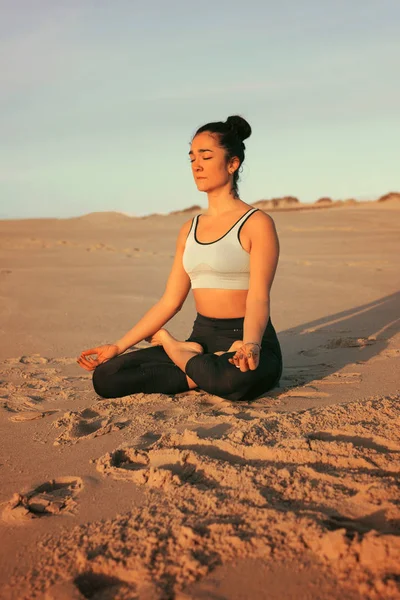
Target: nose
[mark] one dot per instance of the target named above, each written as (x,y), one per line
(196,166)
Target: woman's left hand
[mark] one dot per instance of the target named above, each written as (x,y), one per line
(247,357)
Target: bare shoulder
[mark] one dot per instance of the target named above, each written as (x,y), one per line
(262,234)
(185,227)
(261,222)
(184,231)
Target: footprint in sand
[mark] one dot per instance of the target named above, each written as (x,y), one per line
(311,352)
(350,342)
(85,424)
(300,374)
(162,468)
(15,402)
(340,342)
(54,497)
(101,586)
(373,442)
(377,520)
(34,359)
(37,359)
(176,459)
(63,360)
(338,379)
(147,439)
(26,408)
(31,415)
(169,413)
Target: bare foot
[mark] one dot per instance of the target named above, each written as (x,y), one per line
(157,339)
(162,337)
(235,346)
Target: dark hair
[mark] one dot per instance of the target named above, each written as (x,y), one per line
(231,134)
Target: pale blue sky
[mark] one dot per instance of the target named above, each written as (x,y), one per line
(99,100)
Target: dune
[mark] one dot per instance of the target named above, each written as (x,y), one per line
(390,197)
(109,218)
(103,218)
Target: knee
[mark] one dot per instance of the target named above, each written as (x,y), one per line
(208,372)
(222,387)
(233,393)
(236,386)
(101,382)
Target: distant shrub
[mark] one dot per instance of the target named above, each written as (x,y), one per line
(324,200)
(389,196)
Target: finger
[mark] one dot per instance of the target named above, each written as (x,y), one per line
(243,357)
(84,360)
(87,359)
(252,362)
(93,362)
(82,365)
(234,360)
(243,362)
(86,363)
(252,359)
(90,359)
(90,351)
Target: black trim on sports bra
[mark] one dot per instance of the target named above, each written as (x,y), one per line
(208,243)
(191,225)
(238,231)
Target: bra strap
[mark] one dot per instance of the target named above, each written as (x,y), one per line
(244,217)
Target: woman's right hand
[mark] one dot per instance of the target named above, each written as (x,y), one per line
(104,353)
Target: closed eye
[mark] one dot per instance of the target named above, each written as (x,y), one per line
(203,159)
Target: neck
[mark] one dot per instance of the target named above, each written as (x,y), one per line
(221,200)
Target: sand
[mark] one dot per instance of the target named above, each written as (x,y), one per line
(189,496)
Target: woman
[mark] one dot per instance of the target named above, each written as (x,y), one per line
(228,256)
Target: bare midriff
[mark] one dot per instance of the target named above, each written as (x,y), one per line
(221,303)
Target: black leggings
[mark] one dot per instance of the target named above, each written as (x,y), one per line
(150,370)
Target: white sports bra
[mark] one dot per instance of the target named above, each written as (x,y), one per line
(222,264)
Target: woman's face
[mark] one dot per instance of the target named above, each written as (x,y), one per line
(209,167)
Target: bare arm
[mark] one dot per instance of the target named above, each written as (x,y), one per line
(264,256)
(171,302)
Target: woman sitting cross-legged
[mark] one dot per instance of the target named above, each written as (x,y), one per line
(228,256)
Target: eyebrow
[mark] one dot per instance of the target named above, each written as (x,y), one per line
(201,150)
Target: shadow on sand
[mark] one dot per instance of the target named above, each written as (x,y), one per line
(324,346)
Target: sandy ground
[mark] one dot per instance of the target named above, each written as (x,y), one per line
(155,497)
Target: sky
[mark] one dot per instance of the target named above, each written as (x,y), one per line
(99,100)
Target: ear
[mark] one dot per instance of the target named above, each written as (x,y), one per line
(233,164)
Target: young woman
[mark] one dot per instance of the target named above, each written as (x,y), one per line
(228,257)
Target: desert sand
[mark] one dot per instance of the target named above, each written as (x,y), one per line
(189,496)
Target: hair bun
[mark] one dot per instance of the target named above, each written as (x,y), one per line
(239,125)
